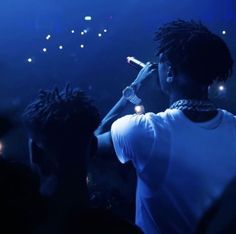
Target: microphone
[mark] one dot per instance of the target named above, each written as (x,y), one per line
(135,63)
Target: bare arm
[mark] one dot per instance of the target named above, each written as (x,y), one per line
(116,112)
(105,145)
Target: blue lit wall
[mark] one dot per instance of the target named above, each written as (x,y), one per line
(100,67)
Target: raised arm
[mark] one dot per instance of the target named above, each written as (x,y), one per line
(126,105)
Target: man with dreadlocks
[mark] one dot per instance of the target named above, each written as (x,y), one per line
(61,126)
(185,156)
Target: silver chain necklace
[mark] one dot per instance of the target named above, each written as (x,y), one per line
(193,105)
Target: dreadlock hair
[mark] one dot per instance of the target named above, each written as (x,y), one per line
(58,115)
(191,48)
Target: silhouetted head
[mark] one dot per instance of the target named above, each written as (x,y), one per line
(61,124)
(188,49)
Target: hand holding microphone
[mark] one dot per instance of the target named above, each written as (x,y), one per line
(135,62)
(145,73)
(134,93)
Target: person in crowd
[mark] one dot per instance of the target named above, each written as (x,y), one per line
(61,140)
(184,156)
(61,129)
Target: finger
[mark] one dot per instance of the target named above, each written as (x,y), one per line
(148,64)
(152,66)
(151,72)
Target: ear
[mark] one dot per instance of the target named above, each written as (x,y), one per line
(170,72)
(38,159)
(36,154)
(33,156)
(30,142)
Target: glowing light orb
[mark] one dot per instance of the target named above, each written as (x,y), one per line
(139,109)
(88,18)
(221,88)
(1,147)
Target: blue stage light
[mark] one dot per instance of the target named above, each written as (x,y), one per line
(29,60)
(99,34)
(72,31)
(1,147)
(223,32)
(105,30)
(221,88)
(81,46)
(44,50)
(60,47)
(139,109)
(88,18)
(48,37)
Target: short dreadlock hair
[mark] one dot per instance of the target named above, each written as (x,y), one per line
(57,115)
(191,48)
